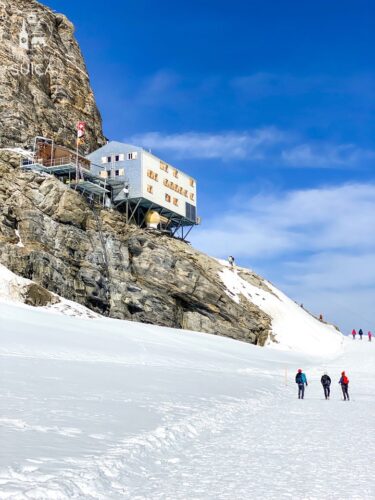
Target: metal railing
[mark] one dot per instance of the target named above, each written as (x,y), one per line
(67,160)
(58,162)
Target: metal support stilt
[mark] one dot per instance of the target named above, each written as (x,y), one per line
(134,211)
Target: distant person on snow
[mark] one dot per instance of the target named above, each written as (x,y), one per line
(326,383)
(231,260)
(354,333)
(360,333)
(344,382)
(301,381)
(369,336)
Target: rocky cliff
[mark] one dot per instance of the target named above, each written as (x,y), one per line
(50,235)
(48,232)
(44,85)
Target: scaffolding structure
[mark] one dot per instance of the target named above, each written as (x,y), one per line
(137,209)
(69,167)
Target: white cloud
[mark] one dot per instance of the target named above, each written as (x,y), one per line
(260,85)
(316,244)
(306,220)
(326,155)
(263,85)
(270,144)
(338,285)
(225,145)
(157,89)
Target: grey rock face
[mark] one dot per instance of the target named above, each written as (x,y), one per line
(49,234)
(44,85)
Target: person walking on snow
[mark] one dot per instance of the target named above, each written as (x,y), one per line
(301,381)
(360,333)
(326,383)
(344,381)
(231,260)
(354,333)
(369,336)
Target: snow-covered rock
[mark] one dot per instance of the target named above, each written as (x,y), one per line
(292,327)
(17,290)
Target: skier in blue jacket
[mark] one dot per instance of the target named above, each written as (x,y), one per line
(301,380)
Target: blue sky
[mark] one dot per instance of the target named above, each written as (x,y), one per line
(270,105)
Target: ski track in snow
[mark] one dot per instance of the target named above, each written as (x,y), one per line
(104,409)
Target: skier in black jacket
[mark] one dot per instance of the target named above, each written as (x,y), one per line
(326,383)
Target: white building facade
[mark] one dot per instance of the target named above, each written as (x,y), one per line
(150,182)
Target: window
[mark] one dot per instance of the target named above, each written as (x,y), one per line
(109,159)
(175,173)
(117,173)
(175,202)
(109,173)
(117,158)
(153,175)
(150,189)
(133,155)
(121,171)
(191,212)
(185,193)
(163,166)
(167,198)
(192,196)
(103,174)
(104,159)
(192,183)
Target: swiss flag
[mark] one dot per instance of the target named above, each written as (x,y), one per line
(81,127)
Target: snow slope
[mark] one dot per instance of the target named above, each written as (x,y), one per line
(106,409)
(294,328)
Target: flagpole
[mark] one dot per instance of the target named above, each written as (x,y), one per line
(80,134)
(77,153)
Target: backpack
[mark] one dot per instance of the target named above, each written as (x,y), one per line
(345,380)
(299,379)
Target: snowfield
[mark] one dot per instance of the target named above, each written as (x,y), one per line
(104,409)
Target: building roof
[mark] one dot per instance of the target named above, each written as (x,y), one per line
(115,144)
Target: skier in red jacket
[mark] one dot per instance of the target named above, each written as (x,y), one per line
(369,336)
(344,381)
(354,333)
